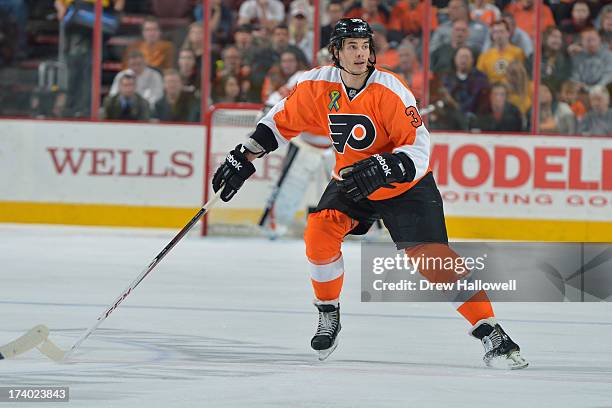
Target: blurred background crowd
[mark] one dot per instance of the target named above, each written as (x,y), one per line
(475,71)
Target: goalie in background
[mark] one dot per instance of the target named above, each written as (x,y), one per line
(309,163)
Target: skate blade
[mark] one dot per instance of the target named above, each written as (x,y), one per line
(323,354)
(516,361)
(513,361)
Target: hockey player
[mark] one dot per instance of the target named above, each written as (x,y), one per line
(382,172)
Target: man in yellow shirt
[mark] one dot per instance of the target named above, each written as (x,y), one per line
(495,60)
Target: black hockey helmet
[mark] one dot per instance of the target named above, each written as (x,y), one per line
(350,28)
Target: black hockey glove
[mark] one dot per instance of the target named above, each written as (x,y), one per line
(232,174)
(379,170)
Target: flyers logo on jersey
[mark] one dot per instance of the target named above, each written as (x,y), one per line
(356,131)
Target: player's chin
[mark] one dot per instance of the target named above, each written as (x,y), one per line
(360,68)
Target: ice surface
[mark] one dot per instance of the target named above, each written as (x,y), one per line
(225,322)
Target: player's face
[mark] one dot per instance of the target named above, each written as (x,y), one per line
(354,55)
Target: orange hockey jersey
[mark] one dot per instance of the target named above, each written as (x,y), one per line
(382,117)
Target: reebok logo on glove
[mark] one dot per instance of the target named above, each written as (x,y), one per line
(237,165)
(383,164)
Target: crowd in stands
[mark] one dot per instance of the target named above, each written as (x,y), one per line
(479,68)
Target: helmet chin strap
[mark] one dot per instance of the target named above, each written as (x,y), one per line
(352,73)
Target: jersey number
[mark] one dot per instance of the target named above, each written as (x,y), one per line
(413,114)
(357,131)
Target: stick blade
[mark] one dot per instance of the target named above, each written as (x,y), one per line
(50,349)
(28,341)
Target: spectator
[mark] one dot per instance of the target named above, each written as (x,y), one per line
(299,33)
(149,82)
(334,11)
(593,65)
(228,90)
(280,73)
(231,65)
(157,53)
(410,69)
(442,58)
(78,55)
(176,105)
(194,41)
(444,111)
(520,89)
(605,20)
(525,17)
(243,41)
(372,12)
(16,13)
(386,57)
(221,21)
(280,43)
(484,11)
(501,115)
(494,61)
(555,116)
(465,83)
(458,10)
(581,19)
(555,66)
(517,36)
(569,95)
(408,17)
(598,121)
(266,13)
(188,70)
(126,104)
(268,56)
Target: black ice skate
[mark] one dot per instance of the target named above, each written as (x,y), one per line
(500,350)
(325,339)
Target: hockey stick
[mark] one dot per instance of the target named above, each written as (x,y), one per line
(26,342)
(49,349)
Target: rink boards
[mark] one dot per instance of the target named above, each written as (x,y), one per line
(121,174)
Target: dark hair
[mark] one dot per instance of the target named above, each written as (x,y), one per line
(135,54)
(282,26)
(547,32)
(499,84)
(498,22)
(150,19)
(465,47)
(170,72)
(335,2)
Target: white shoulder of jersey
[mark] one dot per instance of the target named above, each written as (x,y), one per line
(396,86)
(326,73)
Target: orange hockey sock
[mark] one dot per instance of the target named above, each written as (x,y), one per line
(478,306)
(323,237)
